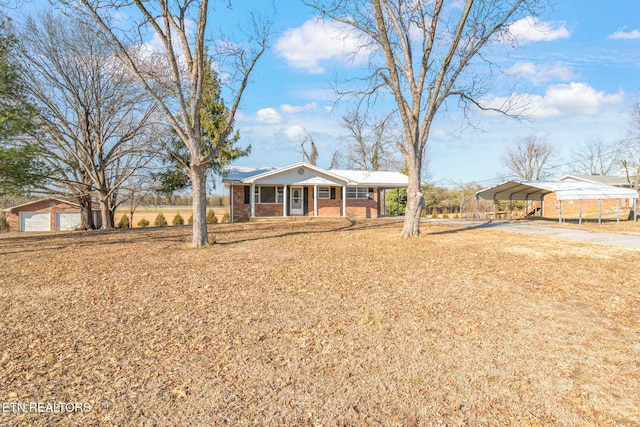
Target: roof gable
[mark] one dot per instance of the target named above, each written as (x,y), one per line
(298,173)
(599,179)
(94,207)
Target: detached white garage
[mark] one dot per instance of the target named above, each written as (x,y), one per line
(48,215)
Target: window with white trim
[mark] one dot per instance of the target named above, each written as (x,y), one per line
(268,194)
(358,193)
(324,193)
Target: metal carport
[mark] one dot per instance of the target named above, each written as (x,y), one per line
(564,190)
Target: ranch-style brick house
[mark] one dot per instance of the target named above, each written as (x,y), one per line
(303,189)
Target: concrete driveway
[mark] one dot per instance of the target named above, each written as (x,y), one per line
(624,240)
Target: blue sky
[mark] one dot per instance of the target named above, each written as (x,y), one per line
(578,71)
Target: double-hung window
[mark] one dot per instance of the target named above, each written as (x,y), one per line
(358,193)
(268,194)
(324,193)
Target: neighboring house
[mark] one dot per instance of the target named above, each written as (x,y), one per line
(48,214)
(616,181)
(302,189)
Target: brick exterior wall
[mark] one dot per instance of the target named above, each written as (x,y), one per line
(40,206)
(240,209)
(358,208)
(571,208)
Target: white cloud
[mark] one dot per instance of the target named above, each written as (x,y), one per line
(268,115)
(563,99)
(294,132)
(541,73)
(531,29)
(315,41)
(290,109)
(625,35)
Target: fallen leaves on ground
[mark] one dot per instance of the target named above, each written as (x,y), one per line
(320,323)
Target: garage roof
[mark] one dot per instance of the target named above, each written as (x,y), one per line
(565,190)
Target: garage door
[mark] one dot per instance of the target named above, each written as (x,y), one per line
(67,220)
(35,221)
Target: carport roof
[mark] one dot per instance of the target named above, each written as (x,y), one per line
(565,190)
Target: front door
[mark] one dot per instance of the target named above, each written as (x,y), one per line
(297,201)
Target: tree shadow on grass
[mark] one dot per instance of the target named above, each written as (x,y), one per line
(78,239)
(340,226)
(462,228)
(73,240)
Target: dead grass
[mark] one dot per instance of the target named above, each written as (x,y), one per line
(320,323)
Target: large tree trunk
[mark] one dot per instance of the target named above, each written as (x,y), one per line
(415,203)
(198,175)
(86,213)
(105,213)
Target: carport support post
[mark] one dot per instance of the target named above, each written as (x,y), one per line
(599,211)
(635,210)
(560,213)
(495,210)
(580,215)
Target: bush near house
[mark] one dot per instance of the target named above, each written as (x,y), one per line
(124,221)
(211,217)
(178,220)
(160,221)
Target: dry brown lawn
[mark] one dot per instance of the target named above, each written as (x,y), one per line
(320,323)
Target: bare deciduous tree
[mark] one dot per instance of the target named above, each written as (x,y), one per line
(529,158)
(369,143)
(420,54)
(630,149)
(595,157)
(173,75)
(96,121)
(311,155)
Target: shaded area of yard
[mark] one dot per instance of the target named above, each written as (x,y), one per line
(320,322)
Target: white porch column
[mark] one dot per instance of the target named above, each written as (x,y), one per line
(284,201)
(344,201)
(315,200)
(253,200)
